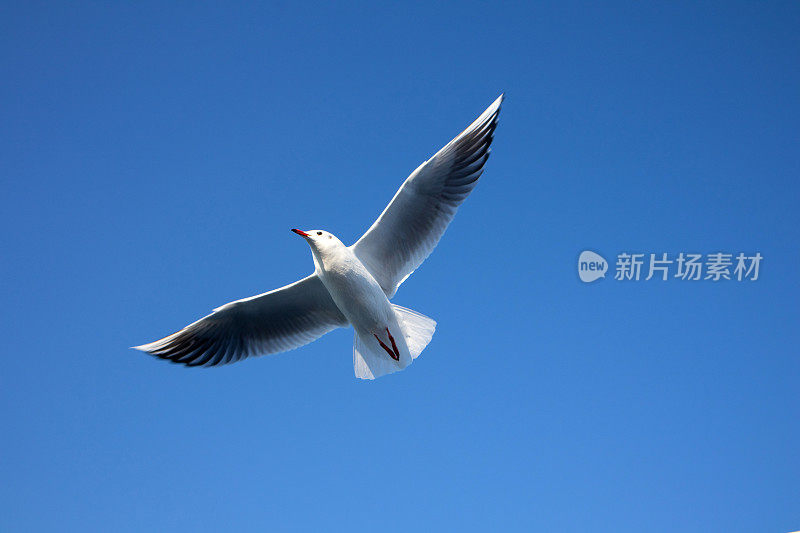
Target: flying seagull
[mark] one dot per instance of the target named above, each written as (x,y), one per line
(351,285)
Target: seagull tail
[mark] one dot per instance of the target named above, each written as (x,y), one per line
(369,360)
(417,328)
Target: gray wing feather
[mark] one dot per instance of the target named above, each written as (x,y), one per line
(414,221)
(272,322)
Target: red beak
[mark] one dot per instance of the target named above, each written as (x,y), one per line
(300,232)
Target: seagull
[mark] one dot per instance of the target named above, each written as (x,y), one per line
(351,285)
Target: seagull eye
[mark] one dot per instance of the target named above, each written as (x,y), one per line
(330,236)
(319,233)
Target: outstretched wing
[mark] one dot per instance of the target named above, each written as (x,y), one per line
(272,322)
(411,225)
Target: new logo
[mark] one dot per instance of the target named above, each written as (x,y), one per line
(591,266)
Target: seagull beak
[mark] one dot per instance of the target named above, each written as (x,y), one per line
(300,232)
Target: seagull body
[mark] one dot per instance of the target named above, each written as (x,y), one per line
(360,299)
(351,285)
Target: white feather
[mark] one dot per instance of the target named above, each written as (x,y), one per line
(417,328)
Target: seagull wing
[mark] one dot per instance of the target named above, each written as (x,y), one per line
(411,225)
(272,322)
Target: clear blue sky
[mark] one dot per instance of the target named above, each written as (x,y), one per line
(154,157)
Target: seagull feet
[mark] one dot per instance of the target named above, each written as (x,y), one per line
(394,353)
(394,346)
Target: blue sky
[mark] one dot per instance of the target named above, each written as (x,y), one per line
(153,158)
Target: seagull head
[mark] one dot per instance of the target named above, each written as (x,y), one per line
(321,242)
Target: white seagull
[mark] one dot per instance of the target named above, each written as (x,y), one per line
(351,285)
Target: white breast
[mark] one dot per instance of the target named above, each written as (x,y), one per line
(356,293)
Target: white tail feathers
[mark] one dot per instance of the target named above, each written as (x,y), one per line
(370,361)
(417,328)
